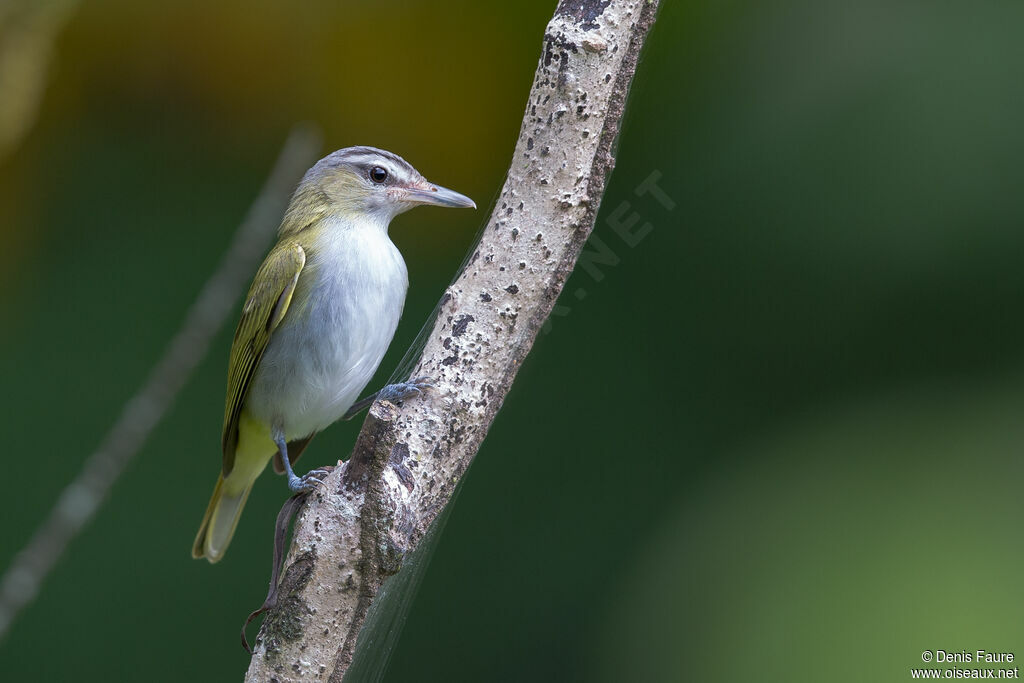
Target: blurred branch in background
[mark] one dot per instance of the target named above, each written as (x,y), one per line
(376,509)
(27,32)
(81,499)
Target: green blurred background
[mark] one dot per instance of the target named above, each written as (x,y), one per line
(779,440)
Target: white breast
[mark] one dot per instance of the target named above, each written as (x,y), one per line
(325,351)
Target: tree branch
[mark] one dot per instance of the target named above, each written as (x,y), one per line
(407,460)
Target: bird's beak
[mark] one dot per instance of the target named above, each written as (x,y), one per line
(438,196)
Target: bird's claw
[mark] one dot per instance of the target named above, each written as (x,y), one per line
(424,382)
(310,480)
(404,390)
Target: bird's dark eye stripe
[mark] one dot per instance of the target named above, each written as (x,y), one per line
(378,174)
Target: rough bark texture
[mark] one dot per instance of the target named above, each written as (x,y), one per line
(407,461)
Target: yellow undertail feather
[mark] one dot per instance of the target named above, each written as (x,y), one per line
(255,448)
(219,522)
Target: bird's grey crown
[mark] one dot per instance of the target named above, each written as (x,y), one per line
(362,152)
(363,158)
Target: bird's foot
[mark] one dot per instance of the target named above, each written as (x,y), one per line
(403,390)
(309,481)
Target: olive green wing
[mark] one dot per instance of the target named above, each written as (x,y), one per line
(265,307)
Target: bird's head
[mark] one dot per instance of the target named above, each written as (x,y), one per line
(365,183)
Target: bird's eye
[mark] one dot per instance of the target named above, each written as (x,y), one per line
(378,174)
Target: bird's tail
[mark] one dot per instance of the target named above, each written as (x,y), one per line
(220,521)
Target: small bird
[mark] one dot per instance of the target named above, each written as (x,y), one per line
(319,316)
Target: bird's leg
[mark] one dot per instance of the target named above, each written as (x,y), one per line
(393,393)
(297,484)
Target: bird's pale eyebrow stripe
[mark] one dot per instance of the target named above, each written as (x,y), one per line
(365,155)
(366,160)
